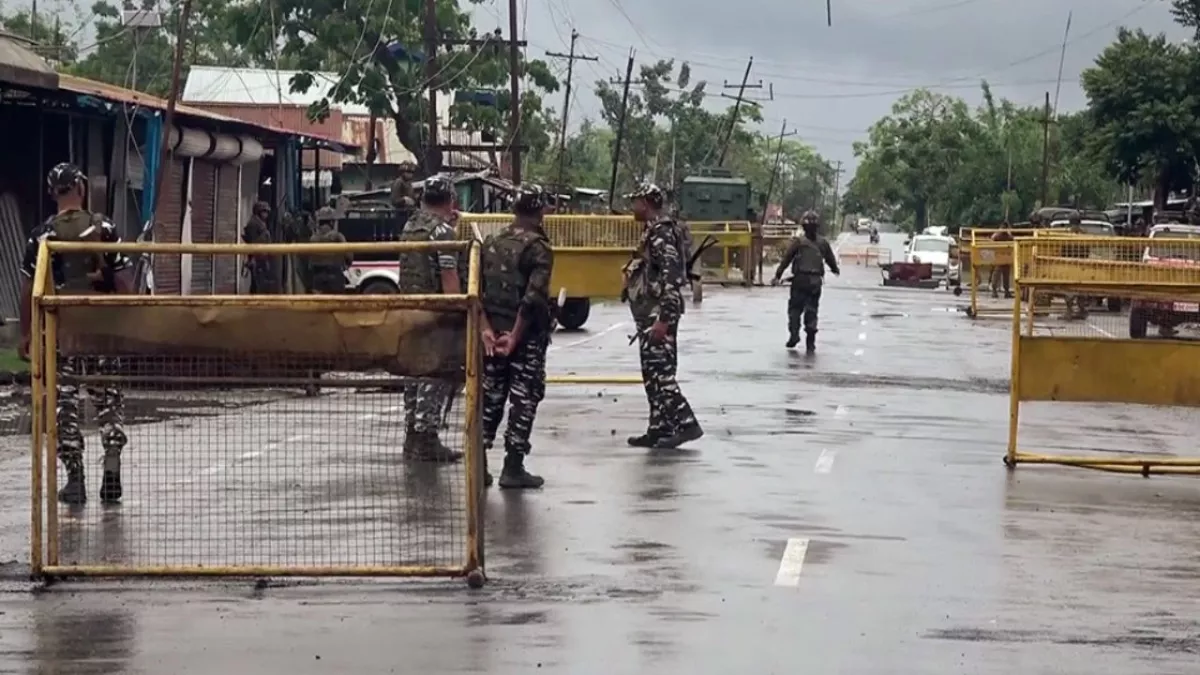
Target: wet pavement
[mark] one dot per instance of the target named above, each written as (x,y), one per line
(846,513)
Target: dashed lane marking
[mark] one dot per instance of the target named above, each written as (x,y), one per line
(792,563)
(1101,331)
(825,461)
(858,352)
(862,336)
(589,338)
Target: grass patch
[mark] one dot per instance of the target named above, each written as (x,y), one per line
(11,363)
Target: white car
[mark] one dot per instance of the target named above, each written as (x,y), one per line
(935,250)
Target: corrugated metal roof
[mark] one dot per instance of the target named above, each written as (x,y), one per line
(125,96)
(21,65)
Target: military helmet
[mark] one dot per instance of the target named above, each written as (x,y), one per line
(438,187)
(653,194)
(326,214)
(64,177)
(407,167)
(529,198)
(810,218)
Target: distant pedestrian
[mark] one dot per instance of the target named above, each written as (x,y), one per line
(517,264)
(654,281)
(807,255)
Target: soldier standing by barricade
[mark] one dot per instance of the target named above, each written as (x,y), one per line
(80,274)
(1001,275)
(329,269)
(807,255)
(256,231)
(517,324)
(422,273)
(1076,304)
(403,197)
(654,281)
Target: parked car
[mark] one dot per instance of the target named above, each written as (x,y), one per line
(1167,315)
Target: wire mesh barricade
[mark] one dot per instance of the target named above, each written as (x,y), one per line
(1070,346)
(987,260)
(257,435)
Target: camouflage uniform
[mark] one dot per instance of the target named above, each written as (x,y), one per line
(83,274)
(807,255)
(403,197)
(654,280)
(420,273)
(1001,276)
(1076,304)
(517,264)
(329,270)
(257,232)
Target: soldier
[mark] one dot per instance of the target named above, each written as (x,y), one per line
(808,255)
(257,232)
(80,274)
(517,324)
(1001,275)
(329,270)
(422,273)
(403,196)
(1076,304)
(654,281)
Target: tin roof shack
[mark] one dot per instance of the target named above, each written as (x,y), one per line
(266,95)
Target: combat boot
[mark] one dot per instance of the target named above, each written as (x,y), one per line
(75,491)
(810,342)
(793,340)
(110,484)
(427,447)
(515,477)
(487,475)
(646,440)
(687,434)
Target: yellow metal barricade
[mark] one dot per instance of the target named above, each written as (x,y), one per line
(985,257)
(732,259)
(1081,357)
(265,433)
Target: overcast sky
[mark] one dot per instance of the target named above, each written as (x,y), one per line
(832,83)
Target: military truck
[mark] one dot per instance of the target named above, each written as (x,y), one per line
(714,194)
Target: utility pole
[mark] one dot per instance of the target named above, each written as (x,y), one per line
(783,133)
(562,136)
(433,154)
(514,103)
(169,118)
(1046,153)
(616,161)
(837,181)
(140,22)
(737,104)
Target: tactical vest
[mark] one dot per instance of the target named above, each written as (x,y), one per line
(503,281)
(419,271)
(337,260)
(809,261)
(683,237)
(77,272)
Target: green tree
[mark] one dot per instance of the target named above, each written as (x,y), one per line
(1145,109)
(1187,13)
(52,37)
(375,47)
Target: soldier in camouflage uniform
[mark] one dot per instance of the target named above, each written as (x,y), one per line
(404,198)
(654,281)
(328,270)
(80,274)
(256,231)
(807,255)
(422,273)
(517,263)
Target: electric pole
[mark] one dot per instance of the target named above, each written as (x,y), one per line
(514,104)
(164,149)
(1046,153)
(737,103)
(837,180)
(433,153)
(616,161)
(562,137)
(783,133)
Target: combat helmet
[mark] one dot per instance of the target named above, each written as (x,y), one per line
(63,177)
(650,192)
(529,199)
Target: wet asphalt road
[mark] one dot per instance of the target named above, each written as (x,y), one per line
(846,513)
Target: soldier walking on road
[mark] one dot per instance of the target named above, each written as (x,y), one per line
(654,281)
(420,273)
(807,255)
(80,274)
(259,266)
(329,269)
(517,324)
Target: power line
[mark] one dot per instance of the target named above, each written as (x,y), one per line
(571,58)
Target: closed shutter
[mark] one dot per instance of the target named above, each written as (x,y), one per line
(168,227)
(228,230)
(204,194)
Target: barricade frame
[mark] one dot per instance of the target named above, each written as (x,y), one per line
(44,531)
(981,252)
(1097,364)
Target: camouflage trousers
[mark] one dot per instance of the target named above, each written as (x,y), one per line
(803,303)
(425,404)
(669,410)
(520,379)
(110,412)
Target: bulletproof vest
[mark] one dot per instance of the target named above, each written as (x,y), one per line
(419,271)
(808,260)
(683,239)
(76,272)
(403,196)
(330,259)
(503,282)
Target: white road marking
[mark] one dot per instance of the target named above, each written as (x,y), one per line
(841,411)
(856,372)
(825,461)
(1101,331)
(792,563)
(862,336)
(863,303)
(590,337)
(863,322)
(858,352)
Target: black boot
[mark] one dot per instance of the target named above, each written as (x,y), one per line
(810,342)
(427,447)
(793,341)
(515,477)
(646,440)
(487,475)
(75,491)
(685,435)
(110,484)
